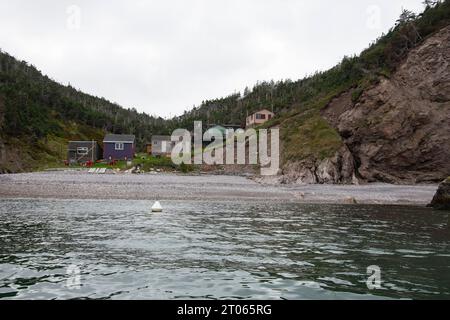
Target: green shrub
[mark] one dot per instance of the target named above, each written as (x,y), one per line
(356,94)
(185,168)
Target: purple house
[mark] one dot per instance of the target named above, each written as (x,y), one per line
(119,147)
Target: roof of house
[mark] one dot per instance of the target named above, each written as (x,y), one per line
(129,138)
(162,138)
(225,126)
(74,144)
(263,110)
(85,141)
(218,129)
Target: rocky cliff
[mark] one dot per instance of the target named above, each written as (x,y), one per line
(338,169)
(398,130)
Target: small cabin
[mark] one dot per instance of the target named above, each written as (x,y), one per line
(162,146)
(258,118)
(83,151)
(222,128)
(119,147)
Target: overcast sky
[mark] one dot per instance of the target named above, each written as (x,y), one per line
(162,57)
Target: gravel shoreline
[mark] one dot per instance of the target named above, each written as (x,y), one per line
(82,185)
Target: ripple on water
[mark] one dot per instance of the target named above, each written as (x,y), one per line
(215,250)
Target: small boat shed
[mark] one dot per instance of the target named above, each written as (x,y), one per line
(83,151)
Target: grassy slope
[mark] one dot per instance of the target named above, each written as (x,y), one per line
(47,152)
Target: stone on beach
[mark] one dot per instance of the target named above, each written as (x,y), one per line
(350,200)
(441,200)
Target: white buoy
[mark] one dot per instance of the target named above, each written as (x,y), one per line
(157,207)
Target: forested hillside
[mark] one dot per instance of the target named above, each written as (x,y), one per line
(38,115)
(314,149)
(36,106)
(288,97)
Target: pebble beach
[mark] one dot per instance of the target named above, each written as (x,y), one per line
(164,186)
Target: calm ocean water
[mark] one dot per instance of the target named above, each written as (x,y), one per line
(227,250)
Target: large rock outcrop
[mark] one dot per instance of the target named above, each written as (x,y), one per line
(339,169)
(441,200)
(399,130)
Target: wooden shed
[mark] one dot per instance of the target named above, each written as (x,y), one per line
(83,151)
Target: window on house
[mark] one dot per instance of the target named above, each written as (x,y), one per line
(82,151)
(119,146)
(260,116)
